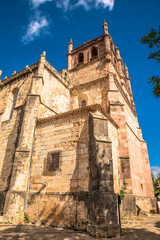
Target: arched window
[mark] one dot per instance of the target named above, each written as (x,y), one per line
(84,103)
(15,95)
(80,58)
(94,52)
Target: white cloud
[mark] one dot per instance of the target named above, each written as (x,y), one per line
(39,22)
(64,4)
(37,3)
(155,170)
(105,3)
(84,3)
(71,4)
(34,29)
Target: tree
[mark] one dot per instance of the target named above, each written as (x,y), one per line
(152,39)
(156,182)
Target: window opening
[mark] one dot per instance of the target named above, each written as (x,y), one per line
(84,103)
(80,58)
(53,161)
(94,52)
(13,104)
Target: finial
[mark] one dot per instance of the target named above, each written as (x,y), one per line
(28,68)
(71,42)
(5,77)
(43,54)
(14,72)
(105,27)
(125,66)
(70,46)
(43,57)
(0,73)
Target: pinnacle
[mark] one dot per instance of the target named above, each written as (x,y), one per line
(71,41)
(104,22)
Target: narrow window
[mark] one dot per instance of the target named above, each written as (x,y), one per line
(84,103)
(13,103)
(94,52)
(141,186)
(53,161)
(80,58)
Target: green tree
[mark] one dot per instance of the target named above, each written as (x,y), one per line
(156,182)
(152,39)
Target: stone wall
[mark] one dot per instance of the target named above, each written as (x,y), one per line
(10,127)
(94,92)
(67,197)
(135,175)
(88,72)
(55,94)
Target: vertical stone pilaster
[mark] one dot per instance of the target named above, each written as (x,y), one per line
(16,197)
(101,193)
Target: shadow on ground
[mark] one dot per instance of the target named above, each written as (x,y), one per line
(149,230)
(31,232)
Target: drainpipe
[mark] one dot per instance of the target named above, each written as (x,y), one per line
(28,185)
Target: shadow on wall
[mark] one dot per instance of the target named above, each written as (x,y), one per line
(8,161)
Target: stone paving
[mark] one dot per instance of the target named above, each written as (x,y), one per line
(147,228)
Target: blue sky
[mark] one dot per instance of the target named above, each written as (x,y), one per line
(29,27)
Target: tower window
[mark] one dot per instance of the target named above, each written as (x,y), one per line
(84,103)
(94,52)
(80,58)
(13,103)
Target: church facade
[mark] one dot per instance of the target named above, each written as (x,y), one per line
(70,142)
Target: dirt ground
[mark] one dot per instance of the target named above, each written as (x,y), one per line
(147,228)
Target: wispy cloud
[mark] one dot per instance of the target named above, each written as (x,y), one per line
(40,23)
(37,3)
(105,3)
(72,4)
(155,170)
(34,29)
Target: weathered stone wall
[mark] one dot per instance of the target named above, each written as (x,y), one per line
(88,72)
(135,172)
(55,94)
(93,93)
(69,135)
(65,197)
(10,127)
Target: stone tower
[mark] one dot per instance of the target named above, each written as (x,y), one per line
(70,142)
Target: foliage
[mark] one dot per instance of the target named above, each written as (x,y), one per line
(156,182)
(122,194)
(26,218)
(152,39)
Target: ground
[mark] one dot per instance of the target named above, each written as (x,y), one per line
(147,228)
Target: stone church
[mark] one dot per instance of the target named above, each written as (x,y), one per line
(70,142)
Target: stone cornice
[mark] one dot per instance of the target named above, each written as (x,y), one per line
(83,65)
(86,109)
(89,83)
(20,73)
(87,44)
(141,140)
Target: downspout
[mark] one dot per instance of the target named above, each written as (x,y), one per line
(28,184)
